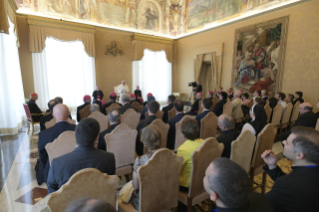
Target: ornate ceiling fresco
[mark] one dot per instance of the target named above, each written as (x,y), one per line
(167,18)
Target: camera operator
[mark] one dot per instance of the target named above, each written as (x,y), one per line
(198,87)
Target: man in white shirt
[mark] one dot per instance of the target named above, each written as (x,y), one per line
(237,103)
(122,89)
(281,97)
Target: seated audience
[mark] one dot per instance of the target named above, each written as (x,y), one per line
(290,98)
(236,103)
(297,191)
(257,93)
(60,99)
(115,119)
(218,109)
(113,97)
(153,107)
(150,98)
(244,104)
(179,107)
(60,113)
(35,111)
(272,102)
(94,107)
(138,95)
(281,99)
(195,105)
(190,130)
(206,104)
(226,124)
(170,102)
(126,104)
(84,156)
(133,99)
(88,204)
(232,193)
(145,103)
(49,115)
(258,100)
(151,138)
(264,95)
(87,101)
(298,97)
(210,95)
(258,120)
(230,93)
(98,96)
(220,90)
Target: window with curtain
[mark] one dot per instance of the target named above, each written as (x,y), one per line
(154,75)
(63,69)
(11,87)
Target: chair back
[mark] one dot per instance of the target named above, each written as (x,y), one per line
(164,131)
(113,105)
(200,109)
(295,112)
(121,142)
(250,103)
(52,122)
(159,114)
(137,106)
(101,118)
(208,126)
(317,125)
(201,158)
(242,149)
(27,112)
(276,116)
(239,112)
(131,118)
(268,111)
(228,108)
(87,182)
(171,113)
(159,177)
(179,137)
(265,141)
(286,113)
(62,145)
(214,102)
(85,112)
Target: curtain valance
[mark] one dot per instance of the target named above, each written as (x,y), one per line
(8,8)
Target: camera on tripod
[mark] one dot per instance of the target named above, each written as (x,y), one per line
(192,84)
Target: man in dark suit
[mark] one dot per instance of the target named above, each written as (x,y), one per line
(232,193)
(60,113)
(153,107)
(226,125)
(150,98)
(87,101)
(35,111)
(113,97)
(195,106)
(298,97)
(170,101)
(126,104)
(84,156)
(264,94)
(133,99)
(211,95)
(219,107)
(207,103)
(115,118)
(98,96)
(297,191)
(49,115)
(138,95)
(179,107)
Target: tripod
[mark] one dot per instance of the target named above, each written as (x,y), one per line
(188,103)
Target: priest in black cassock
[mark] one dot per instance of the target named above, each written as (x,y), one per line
(138,95)
(35,111)
(98,96)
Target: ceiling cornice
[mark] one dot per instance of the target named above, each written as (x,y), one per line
(151,38)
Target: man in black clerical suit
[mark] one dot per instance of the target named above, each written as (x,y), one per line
(115,118)
(49,115)
(207,103)
(153,107)
(219,107)
(170,101)
(60,113)
(297,191)
(178,106)
(98,96)
(126,104)
(35,111)
(138,95)
(226,124)
(87,101)
(113,97)
(84,156)
(195,106)
(232,193)
(298,98)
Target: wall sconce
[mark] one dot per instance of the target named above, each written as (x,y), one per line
(113,50)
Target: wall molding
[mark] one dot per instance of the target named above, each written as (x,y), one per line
(151,38)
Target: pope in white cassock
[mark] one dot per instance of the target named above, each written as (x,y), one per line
(122,89)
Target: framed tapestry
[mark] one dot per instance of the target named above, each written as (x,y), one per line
(259,56)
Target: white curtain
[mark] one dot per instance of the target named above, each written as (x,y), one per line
(63,69)
(11,87)
(154,75)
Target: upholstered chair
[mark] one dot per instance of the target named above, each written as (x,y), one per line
(159,114)
(101,118)
(295,114)
(228,108)
(286,116)
(29,117)
(268,111)
(164,131)
(131,118)
(113,105)
(276,116)
(239,116)
(215,101)
(85,112)
(171,113)
(200,109)
(52,122)
(137,106)
(208,126)
(179,137)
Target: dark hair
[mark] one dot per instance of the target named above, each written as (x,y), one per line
(265,92)
(307,141)
(228,121)
(59,99)
(224,95)
(190,128)
(116,118)
(259,101)
(230,182)
(87,131)
(153,106)
(308,108)
(80,205)
(179,105)
(52,103)
(113,97)
(259,92)
(291,96)
(282,95)
(151,137)
(272,102)
(299,93)
(207,103)
(171,98)
(246,95)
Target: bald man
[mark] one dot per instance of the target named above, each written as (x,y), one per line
(236,103)
(60,113)
(35,111)
(122,89)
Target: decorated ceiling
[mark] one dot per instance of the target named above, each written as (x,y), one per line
(168,18)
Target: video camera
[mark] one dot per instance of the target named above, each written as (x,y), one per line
(192,84)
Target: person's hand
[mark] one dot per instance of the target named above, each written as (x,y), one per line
(270,158)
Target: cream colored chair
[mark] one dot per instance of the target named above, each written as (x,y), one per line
(85,112)
(85,183)
(228,108)
(109,108)
(164,131)
(159,114)
(62,145)
(268,111)
(276,116)
(179,137)
(200,109)
(242,149)
(208,126)
(171,113)
(131,118)
(137,106)
(265,141)
(159,183)
(239,116)
(295,113)
(52,122)
(121,142)
(286,116)
(214,102)
(251,103)
(101,118)
(201,158)
(29,118)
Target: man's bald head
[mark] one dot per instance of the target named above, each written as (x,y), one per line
(237,94)
(305,107)
(61,112)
